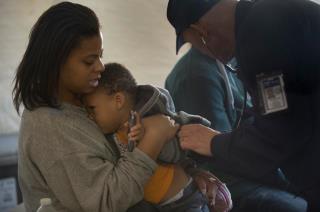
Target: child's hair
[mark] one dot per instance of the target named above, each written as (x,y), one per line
(117,78)
(58,31)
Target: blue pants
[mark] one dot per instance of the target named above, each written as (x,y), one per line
(191,201)
(268,199)
(272,193)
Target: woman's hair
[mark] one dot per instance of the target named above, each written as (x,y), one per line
(117,78)
(58,31)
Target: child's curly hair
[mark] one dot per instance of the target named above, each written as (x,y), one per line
(116,78)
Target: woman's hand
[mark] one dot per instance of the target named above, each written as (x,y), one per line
(197,138)
(218,195)
(136,132)
(207,184)
(159,129)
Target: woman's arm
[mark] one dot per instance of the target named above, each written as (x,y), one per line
(83,173)
(158,130)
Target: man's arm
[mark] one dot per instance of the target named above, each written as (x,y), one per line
(268,44)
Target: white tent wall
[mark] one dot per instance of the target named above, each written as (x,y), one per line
(136,33)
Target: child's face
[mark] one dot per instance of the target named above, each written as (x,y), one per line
(104,110)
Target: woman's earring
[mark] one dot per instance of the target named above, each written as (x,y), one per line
(203,41)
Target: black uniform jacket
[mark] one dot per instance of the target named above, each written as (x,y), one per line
(277,36)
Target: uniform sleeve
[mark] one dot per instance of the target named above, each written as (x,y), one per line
(266,44)
(88,180)
(256,149)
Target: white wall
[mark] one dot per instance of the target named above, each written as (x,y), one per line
(136,33)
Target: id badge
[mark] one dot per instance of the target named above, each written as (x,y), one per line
(271,92)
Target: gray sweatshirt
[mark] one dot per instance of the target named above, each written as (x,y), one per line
(152,100)
(64,156)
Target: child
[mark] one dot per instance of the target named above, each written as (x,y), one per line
(110,106)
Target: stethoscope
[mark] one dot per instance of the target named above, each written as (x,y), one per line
(232,70)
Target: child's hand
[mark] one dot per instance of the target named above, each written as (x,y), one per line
(136,132)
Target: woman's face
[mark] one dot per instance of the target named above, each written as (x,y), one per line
(81,71)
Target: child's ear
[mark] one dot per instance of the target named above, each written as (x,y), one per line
(120,100)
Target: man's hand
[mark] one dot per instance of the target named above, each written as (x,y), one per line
(197,138)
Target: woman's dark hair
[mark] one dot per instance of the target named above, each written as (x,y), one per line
(57,32)
(116,78)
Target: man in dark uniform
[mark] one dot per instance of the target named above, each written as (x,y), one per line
(277,46)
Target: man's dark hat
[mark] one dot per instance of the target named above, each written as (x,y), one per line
(182,13)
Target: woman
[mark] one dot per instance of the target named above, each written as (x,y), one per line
(62,153)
